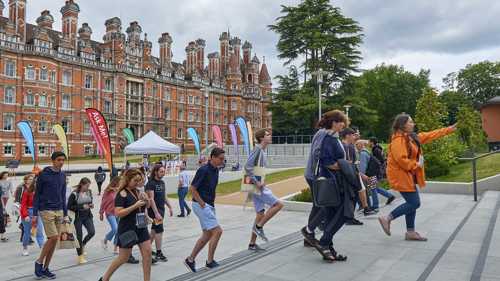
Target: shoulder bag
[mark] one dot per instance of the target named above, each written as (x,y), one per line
(326,192)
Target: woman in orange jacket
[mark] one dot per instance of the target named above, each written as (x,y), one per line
(405,171)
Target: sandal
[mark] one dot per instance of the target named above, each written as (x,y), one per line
(325,253)
(4,239)
(338,257)
(415,237)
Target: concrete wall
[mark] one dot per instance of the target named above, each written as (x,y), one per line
(490,183)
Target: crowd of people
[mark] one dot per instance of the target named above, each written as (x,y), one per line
(339,154)
(135,202)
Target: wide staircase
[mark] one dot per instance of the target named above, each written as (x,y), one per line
(464,244)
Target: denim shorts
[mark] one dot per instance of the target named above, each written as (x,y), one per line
(266,197)
(206,215)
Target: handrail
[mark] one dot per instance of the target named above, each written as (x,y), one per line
(474,168)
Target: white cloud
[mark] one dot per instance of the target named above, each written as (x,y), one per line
(442,36)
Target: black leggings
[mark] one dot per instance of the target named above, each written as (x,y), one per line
(88,223)
(99,184)
(2,219)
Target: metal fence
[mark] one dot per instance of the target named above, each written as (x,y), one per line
(295,139)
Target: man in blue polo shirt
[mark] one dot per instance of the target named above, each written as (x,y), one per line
(203,191)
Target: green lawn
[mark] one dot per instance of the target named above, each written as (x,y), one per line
(234,186)
(462,172)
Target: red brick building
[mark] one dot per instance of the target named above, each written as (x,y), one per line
(49,77)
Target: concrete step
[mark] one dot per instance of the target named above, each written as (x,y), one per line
(465,254)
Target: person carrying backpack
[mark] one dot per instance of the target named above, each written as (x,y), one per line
(371,169)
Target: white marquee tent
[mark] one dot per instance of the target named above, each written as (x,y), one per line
(151,143)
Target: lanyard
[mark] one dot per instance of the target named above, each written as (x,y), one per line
(135,197)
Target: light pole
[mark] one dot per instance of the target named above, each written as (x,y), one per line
(346,107)
(319,80)
(206,119)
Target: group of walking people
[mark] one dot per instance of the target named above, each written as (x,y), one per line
(354,179)
(132,201)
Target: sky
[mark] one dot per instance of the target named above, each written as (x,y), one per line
(442,36)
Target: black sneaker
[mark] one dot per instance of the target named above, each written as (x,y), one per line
(259,231)
(308,237)
(354,222)
(255,248)
(213,264)
(153,260)
(190,265)
(389,201)
(368,212)
(161,257)
(47,274)
(181,216)
(132,260)
(188,212)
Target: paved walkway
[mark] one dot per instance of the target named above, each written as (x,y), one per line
(280,189)
(464,244)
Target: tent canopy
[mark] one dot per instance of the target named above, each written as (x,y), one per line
(151,143)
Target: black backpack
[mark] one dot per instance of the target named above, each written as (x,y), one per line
(375,167)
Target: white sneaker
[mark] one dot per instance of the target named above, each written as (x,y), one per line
(25,253)
(104,244)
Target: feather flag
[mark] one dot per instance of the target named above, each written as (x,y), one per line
(216,131)
(234,138)
(196,140)
(98,123)
(27,132)
(242,124)
(98,141)
(250,134)
(127,133)
(63,140)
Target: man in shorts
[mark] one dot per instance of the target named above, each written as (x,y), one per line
(203,191)
(49,204)
(263,197)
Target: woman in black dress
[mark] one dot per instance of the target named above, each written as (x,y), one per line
(130,207)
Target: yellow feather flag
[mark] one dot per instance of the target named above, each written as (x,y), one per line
(250,134)
(61,135)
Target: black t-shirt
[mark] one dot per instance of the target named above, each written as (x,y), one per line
(205,181)
(127,222)
(158,187)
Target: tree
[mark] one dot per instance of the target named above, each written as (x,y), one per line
(382,93)
(319,36)
(470,129)
(440,154)
(479,82)
(293,106)
(453,101)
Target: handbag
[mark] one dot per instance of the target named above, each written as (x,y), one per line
(325,191)
(67,239)
(260,174)
(128,239)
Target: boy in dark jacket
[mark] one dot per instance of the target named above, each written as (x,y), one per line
(50,204)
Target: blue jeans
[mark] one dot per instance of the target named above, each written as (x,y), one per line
(182,192)
(27,230)
(114,227)
(409,208)
(374,196)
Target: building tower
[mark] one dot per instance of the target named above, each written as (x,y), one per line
(70,13)
(17,16)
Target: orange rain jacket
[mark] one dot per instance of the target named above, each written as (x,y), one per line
(402,165)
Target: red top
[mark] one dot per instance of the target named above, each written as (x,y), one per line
(108,203)
(26,203)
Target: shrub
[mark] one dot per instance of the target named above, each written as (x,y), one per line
(303,196)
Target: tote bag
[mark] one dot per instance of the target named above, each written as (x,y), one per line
(260,174)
